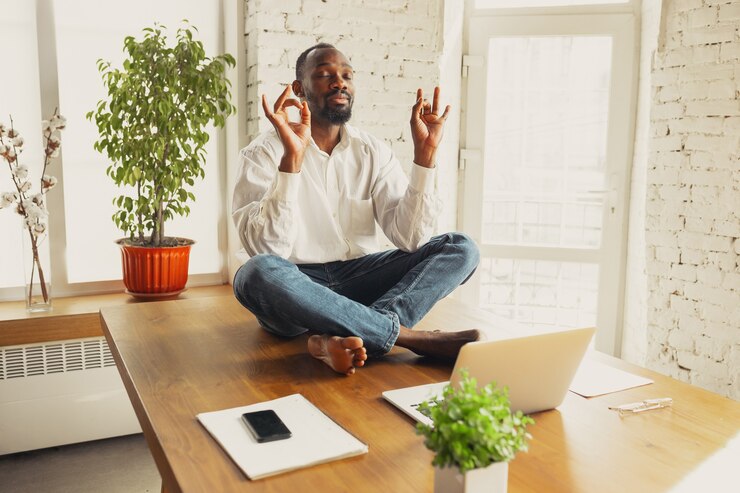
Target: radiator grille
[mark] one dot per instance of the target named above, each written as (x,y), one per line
(57,357)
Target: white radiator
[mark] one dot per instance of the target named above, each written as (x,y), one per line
(61,392)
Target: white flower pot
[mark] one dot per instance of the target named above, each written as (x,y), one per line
(491,479)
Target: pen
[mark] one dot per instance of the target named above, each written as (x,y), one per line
(646,405)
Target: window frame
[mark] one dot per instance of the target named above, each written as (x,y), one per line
(610,312)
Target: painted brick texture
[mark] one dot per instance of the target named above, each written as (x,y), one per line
(692,210)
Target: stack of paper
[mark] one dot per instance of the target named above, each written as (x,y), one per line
(316,437)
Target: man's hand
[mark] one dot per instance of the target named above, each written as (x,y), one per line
(295,136)
(427,126)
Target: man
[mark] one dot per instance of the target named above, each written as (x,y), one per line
(308,199)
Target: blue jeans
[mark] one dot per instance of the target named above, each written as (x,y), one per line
(368,297)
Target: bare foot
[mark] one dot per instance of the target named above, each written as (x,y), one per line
(444,345)
(342,354)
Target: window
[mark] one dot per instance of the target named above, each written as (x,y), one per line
(83,32)
(19,96)
(549,123)
(549,99)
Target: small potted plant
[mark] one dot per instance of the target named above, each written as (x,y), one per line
(474,434)
(153,128)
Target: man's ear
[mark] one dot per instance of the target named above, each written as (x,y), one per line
(298,89)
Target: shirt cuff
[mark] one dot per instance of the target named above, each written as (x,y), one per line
(286,186)
(422,179)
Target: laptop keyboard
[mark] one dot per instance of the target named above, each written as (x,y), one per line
(424,412)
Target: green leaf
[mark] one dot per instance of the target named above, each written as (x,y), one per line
(175,88)
(473,427)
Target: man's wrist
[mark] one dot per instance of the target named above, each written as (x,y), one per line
(425,157)
(290,164)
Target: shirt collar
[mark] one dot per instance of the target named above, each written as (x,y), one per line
(346,134)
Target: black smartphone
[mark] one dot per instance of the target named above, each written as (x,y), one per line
(266,426)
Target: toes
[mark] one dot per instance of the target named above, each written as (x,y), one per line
(342,354)
(352,343)
(359,356)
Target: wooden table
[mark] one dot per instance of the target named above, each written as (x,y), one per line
(181,358)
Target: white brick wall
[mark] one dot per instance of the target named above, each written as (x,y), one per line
(395,46)
(692,208)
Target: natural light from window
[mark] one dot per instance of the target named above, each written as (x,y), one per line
(19,96)
(548,105)
(544,169)
(88,30)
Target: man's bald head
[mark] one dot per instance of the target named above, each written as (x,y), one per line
(300,64)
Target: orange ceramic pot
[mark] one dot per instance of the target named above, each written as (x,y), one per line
(155,272)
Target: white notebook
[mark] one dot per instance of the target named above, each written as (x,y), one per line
(315,439)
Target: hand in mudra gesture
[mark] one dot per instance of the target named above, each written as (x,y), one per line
(295,136)
(427,127)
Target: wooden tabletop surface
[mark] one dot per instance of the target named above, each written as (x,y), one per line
(181,358)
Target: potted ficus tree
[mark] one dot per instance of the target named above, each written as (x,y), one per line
(153,127)
(474,434)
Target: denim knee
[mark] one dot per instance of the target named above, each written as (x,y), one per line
(467,247)
(469,252)
(256,288)
(252,274)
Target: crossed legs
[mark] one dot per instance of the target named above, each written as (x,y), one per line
(362,306)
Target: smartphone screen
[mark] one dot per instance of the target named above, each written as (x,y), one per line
(266,426)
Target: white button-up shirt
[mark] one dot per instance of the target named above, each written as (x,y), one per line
(329,211)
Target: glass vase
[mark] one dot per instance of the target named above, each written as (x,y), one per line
(36,266)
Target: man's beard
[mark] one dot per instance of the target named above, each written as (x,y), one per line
(339,115)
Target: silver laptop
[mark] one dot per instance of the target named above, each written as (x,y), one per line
(537,370)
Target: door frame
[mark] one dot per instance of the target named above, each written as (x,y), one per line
(620,141)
